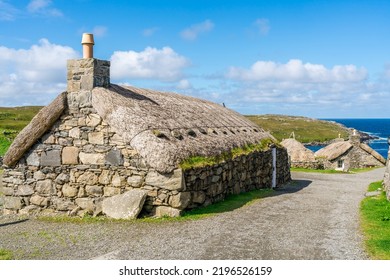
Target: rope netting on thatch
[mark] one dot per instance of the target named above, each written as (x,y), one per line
(166,128)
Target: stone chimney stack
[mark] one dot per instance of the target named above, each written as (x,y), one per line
(85,74)
(354,139)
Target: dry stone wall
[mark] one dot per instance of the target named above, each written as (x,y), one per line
(242,174)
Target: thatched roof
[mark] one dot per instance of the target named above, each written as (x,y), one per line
(297,151)
(372,152)
(42,121)
(166,128)
(334,150)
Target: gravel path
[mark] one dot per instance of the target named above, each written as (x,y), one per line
(313,217)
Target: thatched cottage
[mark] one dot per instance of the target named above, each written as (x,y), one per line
(344,155)
(101,148)
(299,155)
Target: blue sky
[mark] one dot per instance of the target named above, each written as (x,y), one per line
(323,59)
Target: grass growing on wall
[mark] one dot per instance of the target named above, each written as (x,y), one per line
(200,161)
(375,222)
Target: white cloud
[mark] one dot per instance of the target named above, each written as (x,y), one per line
(295,70)
(43,7)
(299,88)
(34,75)
(193,31)
(162,64)
(184,84)
(262,24)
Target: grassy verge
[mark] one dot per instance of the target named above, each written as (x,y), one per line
(5,254)
(325,171)
(230,203)
(332,171)
(375,222)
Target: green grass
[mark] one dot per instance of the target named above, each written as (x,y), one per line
(332,171)
(325,171)
(200,161)
(361,170)
(16,118)
(375,223)
(306,130)
(13,120)
(5,254)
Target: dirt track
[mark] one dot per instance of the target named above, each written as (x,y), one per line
(313,217)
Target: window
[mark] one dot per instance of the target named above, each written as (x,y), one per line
(340,163)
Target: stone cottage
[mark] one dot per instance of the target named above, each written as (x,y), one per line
(99,146)
(299,155)
(344,155)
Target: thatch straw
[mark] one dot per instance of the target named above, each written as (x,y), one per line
(334,150)
(43,121)
(167,128)
(297,151)
(372,152)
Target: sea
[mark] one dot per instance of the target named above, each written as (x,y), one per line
(379,128)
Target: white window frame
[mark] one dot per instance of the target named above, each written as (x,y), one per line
(338,164)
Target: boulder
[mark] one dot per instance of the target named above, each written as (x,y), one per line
(125,206)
